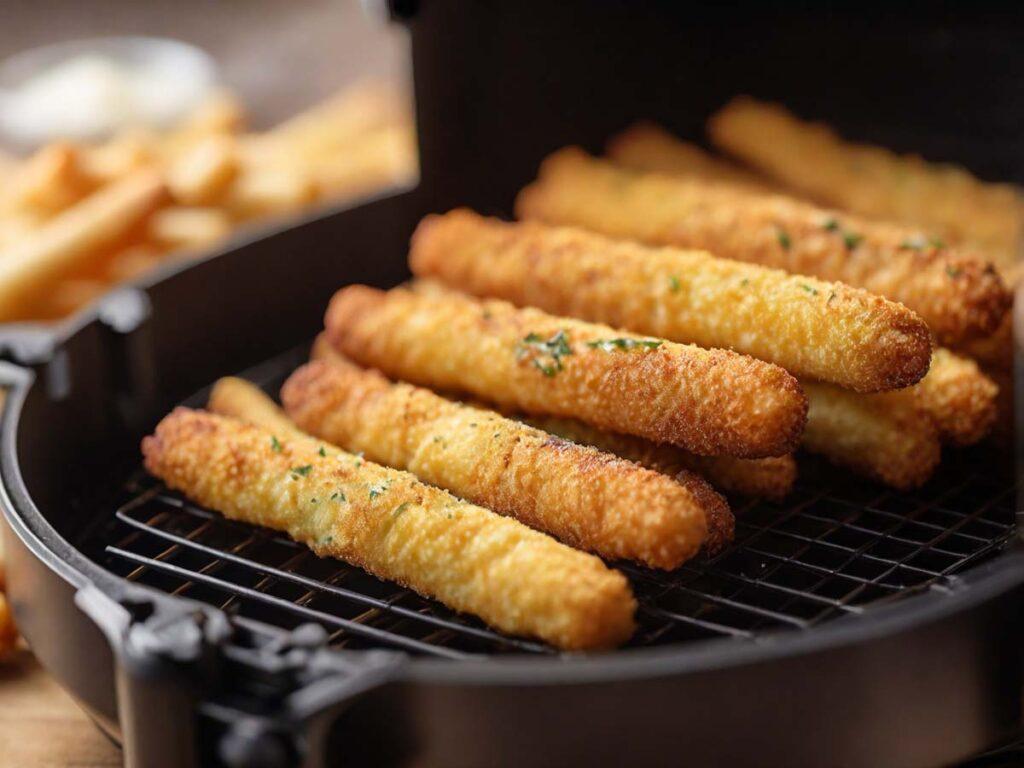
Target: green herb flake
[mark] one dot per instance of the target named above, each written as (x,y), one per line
(322,452)
(936,242)
(852,239)
(377,490)
(610,345)
(953,272)
(338,496)
(831,224)
(302,471)
(673,284)
(313,500)
(809,288)
(275,444)
(326,539)
(401,508)
(783,237)
(831,295)
(744,282)
(545,355)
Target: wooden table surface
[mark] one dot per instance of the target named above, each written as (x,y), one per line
(41,726)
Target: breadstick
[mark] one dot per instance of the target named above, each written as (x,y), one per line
(825,331)
(770,478)
(959,398)
(387,522)
(885,436)
(958,296)
(708,401)
(244,401)
(581,496)
(812,160)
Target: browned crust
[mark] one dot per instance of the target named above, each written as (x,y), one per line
(709,401)
(959,398)
(885,436)
(826,331)
(586,498)
(387,522)
(959,296)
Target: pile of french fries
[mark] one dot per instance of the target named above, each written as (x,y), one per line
(658,327)
(76,219)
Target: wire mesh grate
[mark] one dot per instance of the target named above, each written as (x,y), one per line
(836,547)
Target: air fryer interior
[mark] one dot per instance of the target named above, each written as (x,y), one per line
(497,87)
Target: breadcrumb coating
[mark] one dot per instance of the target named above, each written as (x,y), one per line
(825,331)
(517,580)
(588,499)
(885,436)
(711,402)
(958,296)
(959,398)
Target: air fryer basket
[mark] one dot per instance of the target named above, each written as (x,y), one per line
(849,626)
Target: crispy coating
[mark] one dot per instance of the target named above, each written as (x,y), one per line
(647,146)
(387,522)
(242,400)
(770,478)
(958,296)
(885,436)
(995,351)
(812,160)
(709,401)
(959,398)
(824,331)
(588,499)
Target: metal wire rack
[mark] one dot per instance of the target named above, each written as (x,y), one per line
(836,547)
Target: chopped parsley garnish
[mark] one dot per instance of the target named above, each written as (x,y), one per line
(809,288)
(784,239)
(313,500)
(275,444)
(610,345)
(472,424)
(831,295)
(673,284)
(953,272)
(831,224)
(377,490)
(546,354)
(401,508)
(302,471)
(936,242)
(322,452)
(744,282)
(338,496)
(852,239)
(326,539)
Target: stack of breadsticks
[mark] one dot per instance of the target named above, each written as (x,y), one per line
(76,219)
(574,387)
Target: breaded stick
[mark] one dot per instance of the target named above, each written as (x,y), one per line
(959,398)
(708,401)
(995,351)
(769,478)
(69,242)
(884,436)
(958,296)
(387,522)
(649,147)
(825,331)
(588,499)
(814,161)
(244,401)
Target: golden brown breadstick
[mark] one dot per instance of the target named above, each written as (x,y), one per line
(708,401)
(588,499)
(244,401)
(885,436)
(71,241)
(387,522)
(825,331)
(994,351)
(812,160)
(958,397)
(649,147)
(957,296)
(770,478)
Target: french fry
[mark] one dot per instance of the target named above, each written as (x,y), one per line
(182,227)
(133,261)
(814,161)
(708,401)
(269,191)
(885,436)
(518,580)
(386,157)
(202,174)
(126,153)
(68,296)
(958,397)
(585,498)
(825,331)
(649,147)
(49,181)
(958,296)
(73,241)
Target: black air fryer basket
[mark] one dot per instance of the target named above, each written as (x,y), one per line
(851,625)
